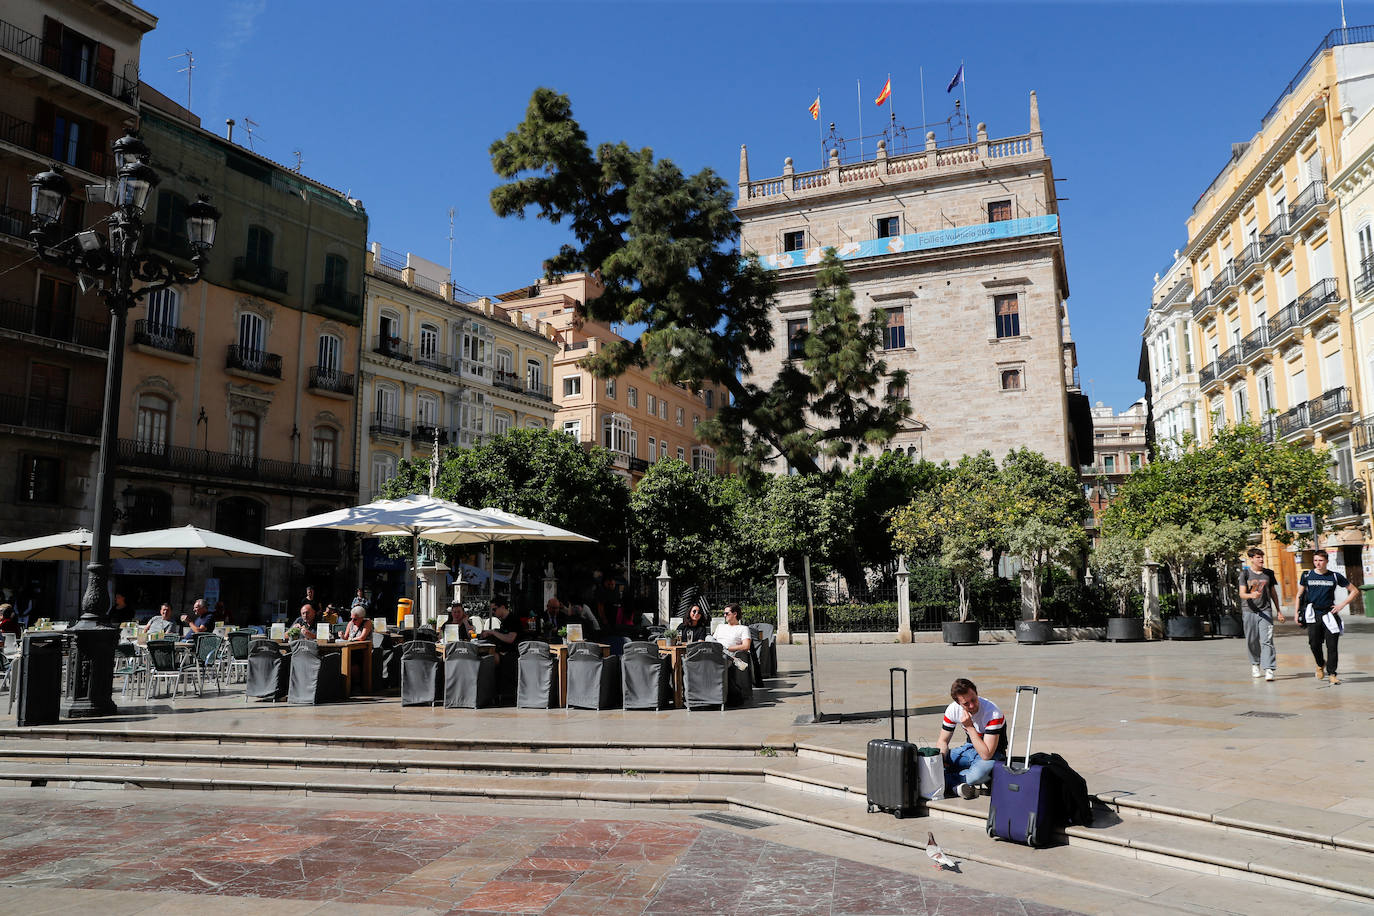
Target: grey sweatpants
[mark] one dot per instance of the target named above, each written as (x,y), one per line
(1259,634)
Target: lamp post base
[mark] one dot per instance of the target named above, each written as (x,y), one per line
(93,670)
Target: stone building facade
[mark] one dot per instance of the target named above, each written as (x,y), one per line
(68,86)
(1119,449)
(1170,365)
(960,246)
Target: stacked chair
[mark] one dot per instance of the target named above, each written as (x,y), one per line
(646,676)
(469,677)
(593,680)
(269,671)
(537,679)
(421,683)
(316,674)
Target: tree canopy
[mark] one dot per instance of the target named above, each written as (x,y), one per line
(665,246)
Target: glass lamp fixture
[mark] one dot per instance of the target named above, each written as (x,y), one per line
(129,149)
(50,190)
(135,184)
(202,219)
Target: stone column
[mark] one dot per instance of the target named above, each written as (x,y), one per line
(982,141)
(550,584)
(1149,585)
(432,580)
(784,634)
(665,587)
(903,601)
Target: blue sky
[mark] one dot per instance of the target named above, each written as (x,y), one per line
(398,103)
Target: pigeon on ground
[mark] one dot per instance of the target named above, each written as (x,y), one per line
(936,854)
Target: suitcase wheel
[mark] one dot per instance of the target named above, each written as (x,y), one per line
(870,809)
(899,813)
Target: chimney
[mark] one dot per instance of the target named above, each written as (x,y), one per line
(229,129)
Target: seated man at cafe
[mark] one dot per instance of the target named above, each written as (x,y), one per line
(508,632)
(310,616)
(457,617)
(359,627)
(162,623)
(201,619)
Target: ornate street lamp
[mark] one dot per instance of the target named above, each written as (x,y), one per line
(123,271)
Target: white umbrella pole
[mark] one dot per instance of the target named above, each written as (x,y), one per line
(491,570)
(415,572)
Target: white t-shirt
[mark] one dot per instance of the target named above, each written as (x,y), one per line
(988,720)
(728,635)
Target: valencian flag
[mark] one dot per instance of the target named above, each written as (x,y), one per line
(958,78)
(887,91)
(815,109)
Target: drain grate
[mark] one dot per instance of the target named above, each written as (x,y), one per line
(1260,714)
(733,820)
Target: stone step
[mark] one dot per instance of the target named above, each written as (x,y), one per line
(1097,851)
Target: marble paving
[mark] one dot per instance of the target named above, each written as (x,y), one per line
(415,859)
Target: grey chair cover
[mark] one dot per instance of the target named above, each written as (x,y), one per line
(469,677)
(770,658)
(593,681)
(705,674)
(426,634)
(536,684)
(646,677)
(421,683)
(269,670)
(316,676)
(386,663)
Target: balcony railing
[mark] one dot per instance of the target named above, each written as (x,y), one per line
(1344,507)
(638,465)
(1201,302)
(1250,257)
(1362,436)
(259,274)
(1292,421)
(389,424)
(1282,323)
(49,416)
(392,347)
(1332,405)
(1267,431)
(1224,281)
(536,390)
(1312,197)
(433,359)
(1254,343)
(229,466)
(502,378)
(165,337)
(323,378)
(1320,294)
(425,433)
(1276,230)
(14,222)
(69,62)
(333,296)
(1207,374)
(1365,281)
(259,362)
(39,140)
(50,325)
(1228,361)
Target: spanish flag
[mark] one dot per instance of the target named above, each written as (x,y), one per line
(815,109)
(885,94)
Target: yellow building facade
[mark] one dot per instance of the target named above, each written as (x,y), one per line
(1271,309)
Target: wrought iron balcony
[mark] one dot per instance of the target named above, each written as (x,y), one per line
(1267,430)
(39,140)
(71,62)
(638,465)
(501,378)
(1250,259)
(1224,282)
(424,433)
(433,359)
(46,415)
(49,325)
(542,392)
(1201,302)
(1207,374)
(392,347)
(325,379)
(259,362)
(1283,324)
(1345,508)
(1364,283)
(1292,421)
(389,424)
(1362,437)
(259,274)
(1254,343)
(1309,203)
(334,296)
(1316,298)
(1277,231)
(14,222)
(230,466)
(165,337)
(1330,408)
(1228,362)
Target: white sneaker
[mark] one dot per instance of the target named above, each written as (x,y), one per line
(1255,671)
(967,791)
(1269,675)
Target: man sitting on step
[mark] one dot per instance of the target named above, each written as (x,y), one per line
(970,766)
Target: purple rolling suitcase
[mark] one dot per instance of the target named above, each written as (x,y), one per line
(892,763)
(1019,807)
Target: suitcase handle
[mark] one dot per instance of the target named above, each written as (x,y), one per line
(892,702)
(1030,731)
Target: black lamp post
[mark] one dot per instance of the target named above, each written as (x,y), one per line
(123,271)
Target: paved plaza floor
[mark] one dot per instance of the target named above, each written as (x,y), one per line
(1178,724)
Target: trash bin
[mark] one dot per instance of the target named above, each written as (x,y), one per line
(1367,597)
(40,679)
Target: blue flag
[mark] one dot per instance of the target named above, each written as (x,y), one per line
(958,78)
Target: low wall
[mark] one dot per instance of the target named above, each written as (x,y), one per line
(1061,634)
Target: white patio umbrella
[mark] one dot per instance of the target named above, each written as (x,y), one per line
(68,545)
(188,540)
(413,516)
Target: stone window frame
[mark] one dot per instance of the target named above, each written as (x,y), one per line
(1004,369)
(786,234)
(877,225)
(986,203)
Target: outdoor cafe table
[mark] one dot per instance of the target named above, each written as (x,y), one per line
(674,653)
(362,647)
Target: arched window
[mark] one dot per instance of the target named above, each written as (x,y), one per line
(329,349)
(387,401)
(505,362)
(240,517)
(383,469)
(164,312)
(243,440)
(324,448)
(426,410)
(534,375)
(500,422)
(153,424)
(429,342)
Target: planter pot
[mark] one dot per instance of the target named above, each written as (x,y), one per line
(960,633)
(1034,632)
(1230,625)
(1125,629)
(1184,628)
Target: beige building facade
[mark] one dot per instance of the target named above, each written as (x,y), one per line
(959,240)
(1170,370)
(1120,448)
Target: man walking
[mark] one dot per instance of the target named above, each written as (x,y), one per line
(1319,587)
(1259,595)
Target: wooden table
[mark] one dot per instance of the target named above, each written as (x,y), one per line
(560,654)
(347,649)
(674,654)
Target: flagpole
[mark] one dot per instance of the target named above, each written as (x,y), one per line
(891,113)
(963,88)
(859,94)
(820,134)
(923,103)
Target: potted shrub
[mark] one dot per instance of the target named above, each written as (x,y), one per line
(964,561)
(1224,541)
(1118,560)
(1178,547)
(1038,544)
(670,636)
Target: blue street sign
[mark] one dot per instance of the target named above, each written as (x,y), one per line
(1301,522)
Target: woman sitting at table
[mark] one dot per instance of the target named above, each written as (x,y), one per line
(457,617)
(309,617)
(9,621)
(696,626)
(359,627)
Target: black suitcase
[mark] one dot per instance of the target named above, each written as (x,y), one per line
(892,763)
(1020,806)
